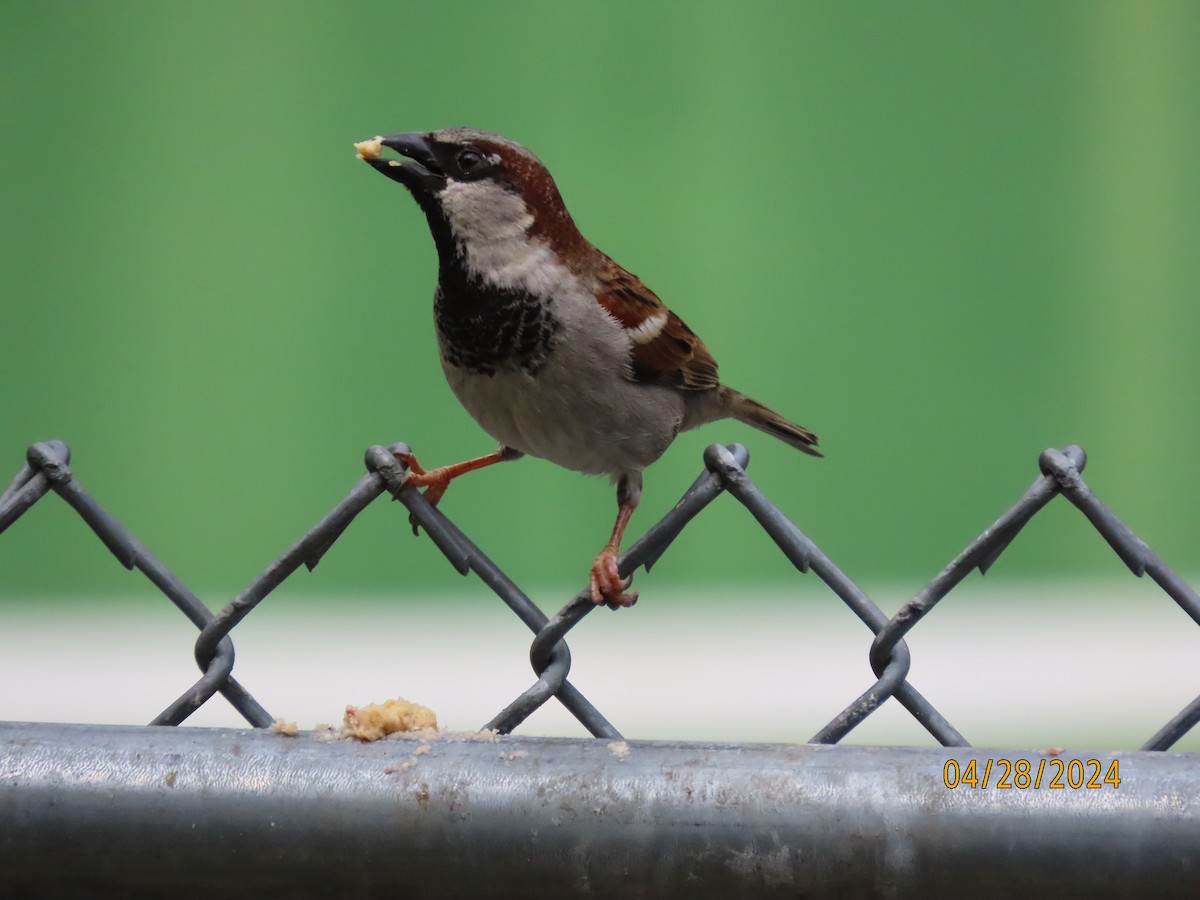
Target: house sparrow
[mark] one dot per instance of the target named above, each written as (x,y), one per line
(553,348)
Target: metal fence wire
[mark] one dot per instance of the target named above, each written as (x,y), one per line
(47,469)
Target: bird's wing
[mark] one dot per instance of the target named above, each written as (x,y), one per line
(664,350)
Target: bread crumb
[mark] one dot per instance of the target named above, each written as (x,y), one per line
(619,749)
(411,762)
(324,733)
(282,726)
(487,736)
(375,720)
(369,149)
(458,737)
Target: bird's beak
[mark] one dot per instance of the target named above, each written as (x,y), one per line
(420,172)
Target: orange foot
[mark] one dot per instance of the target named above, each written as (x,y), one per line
(607,585)
(435,482)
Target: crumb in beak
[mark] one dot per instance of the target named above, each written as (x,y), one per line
(369,149)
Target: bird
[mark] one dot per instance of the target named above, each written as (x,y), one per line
(553,348)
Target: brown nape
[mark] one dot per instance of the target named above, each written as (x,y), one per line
(552,223)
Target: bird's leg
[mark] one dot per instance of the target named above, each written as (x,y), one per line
(435,481)
(606,582)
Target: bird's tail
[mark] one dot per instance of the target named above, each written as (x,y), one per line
(766,419)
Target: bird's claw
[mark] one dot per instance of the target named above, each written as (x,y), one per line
(435,482)
(412,519)
(607,585)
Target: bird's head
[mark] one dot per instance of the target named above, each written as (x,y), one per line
(491,204)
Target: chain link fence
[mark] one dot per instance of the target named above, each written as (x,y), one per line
(48,469)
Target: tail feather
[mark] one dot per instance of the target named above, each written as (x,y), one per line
(766,419)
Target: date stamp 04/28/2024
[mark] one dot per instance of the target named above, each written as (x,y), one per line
(1023,774)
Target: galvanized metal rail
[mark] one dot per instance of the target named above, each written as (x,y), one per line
(135,811)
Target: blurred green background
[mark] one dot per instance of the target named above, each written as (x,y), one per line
(943,235)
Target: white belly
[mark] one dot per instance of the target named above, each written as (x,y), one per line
(611,428)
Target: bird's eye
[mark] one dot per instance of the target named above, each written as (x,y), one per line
(469,159)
